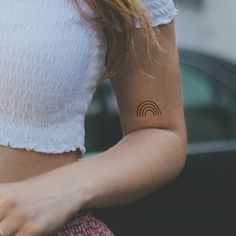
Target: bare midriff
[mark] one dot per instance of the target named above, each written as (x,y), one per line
(18,164)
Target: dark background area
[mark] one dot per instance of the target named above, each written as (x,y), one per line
(201,201)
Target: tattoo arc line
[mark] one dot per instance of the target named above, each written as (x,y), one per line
(148,106)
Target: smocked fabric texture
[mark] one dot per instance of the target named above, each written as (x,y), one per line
(83,223)
(50,63)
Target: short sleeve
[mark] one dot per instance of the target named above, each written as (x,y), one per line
(159,11)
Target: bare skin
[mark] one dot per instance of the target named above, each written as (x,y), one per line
(19,164)
(151,153)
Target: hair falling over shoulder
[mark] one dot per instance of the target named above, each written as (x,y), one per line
(118,19)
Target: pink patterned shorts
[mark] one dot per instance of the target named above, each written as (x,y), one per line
(84,223)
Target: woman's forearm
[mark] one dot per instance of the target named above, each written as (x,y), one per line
(141,162)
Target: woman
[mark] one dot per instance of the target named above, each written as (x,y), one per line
(52,56)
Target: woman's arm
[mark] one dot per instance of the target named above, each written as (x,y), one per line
(151,153)
(153,149)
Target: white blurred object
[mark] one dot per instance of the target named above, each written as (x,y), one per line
(207,27)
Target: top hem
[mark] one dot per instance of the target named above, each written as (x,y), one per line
(48,150)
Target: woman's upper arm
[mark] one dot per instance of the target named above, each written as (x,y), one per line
(145,102)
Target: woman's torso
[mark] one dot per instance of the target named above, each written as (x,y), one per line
(19,164)
(49,64)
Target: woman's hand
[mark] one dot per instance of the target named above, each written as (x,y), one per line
(36,206)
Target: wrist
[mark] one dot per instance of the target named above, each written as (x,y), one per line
(84,196)
(73,188)
(60,183)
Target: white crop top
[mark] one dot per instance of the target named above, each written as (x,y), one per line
(50,61)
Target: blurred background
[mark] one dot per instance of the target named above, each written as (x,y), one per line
(202,200)
(207,26)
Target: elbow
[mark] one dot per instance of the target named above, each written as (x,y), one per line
(176,152)
(181,160)
(174,157)
(181,151)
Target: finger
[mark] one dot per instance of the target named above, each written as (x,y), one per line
(12,222)
(5,206)
(28,229)
(2,213)
(8,227)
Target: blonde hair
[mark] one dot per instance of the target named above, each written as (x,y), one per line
(118,19)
